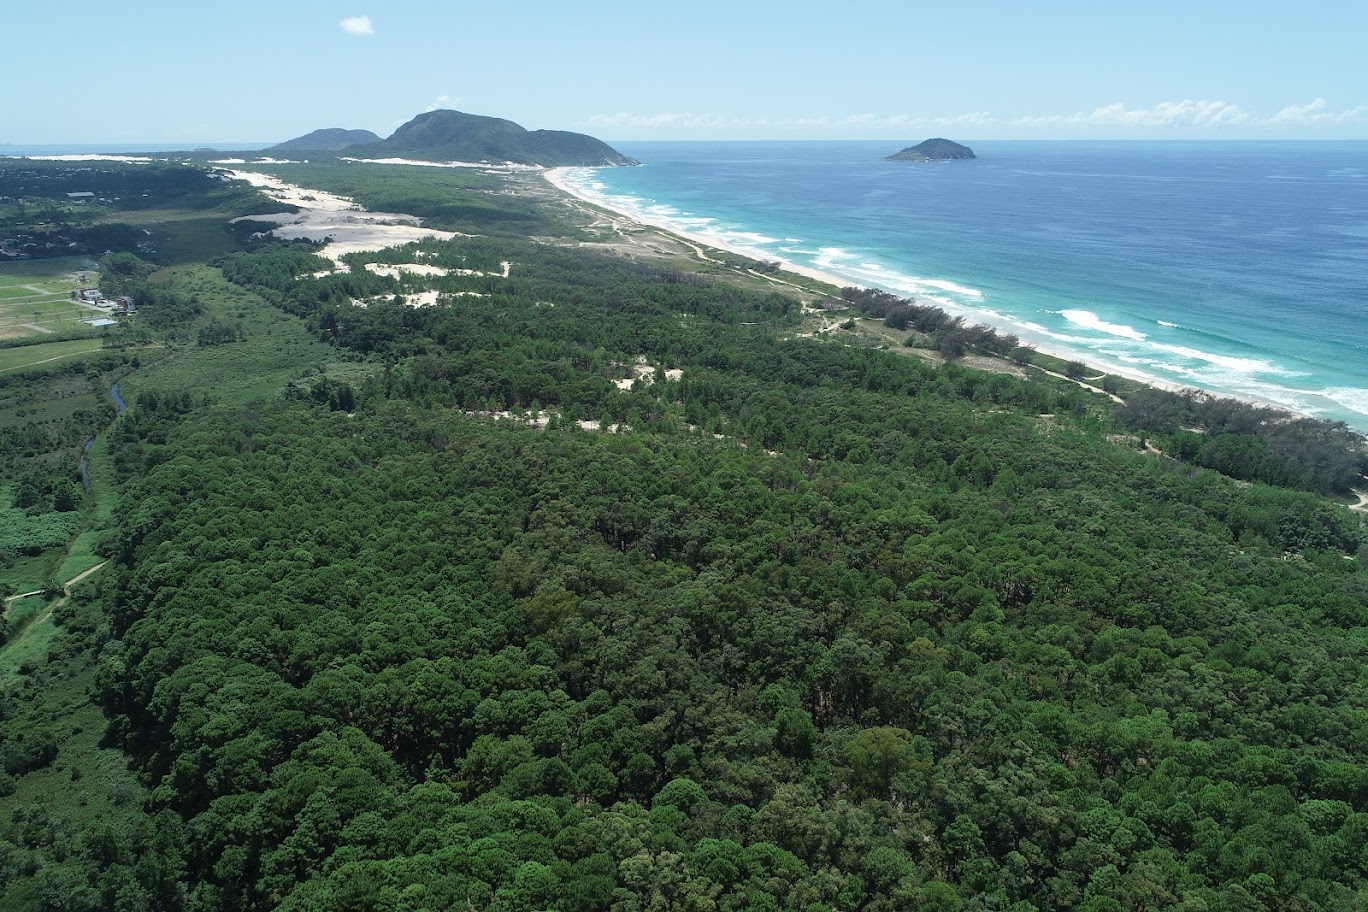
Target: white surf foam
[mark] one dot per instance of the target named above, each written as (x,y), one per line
(1350,397)
(1089,320)
(944,285)
(1109,344)
(1229,362)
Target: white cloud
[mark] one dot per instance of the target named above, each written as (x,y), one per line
(1190,114)
(707,121)
(1315,113)
(672,119)
(1185,113)
(357,25)
(443,102)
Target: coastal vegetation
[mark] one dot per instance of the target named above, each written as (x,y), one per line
(933,150)
(445,135)
(599,585)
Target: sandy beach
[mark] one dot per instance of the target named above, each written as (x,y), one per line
(350,228)
(557,177)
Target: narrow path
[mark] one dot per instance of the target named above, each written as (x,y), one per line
(49,360)
(80,576)
(37,328)
(1088,386)
(1362,505)
(66,592)
(699,250)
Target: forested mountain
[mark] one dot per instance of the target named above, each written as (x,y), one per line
(455,136)
(596,587)
(330,139)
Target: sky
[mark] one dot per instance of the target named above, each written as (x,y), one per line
(200,74)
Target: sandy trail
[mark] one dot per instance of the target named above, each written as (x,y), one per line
(1087,386)
(66,593)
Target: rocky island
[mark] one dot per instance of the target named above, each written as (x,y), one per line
(933,150)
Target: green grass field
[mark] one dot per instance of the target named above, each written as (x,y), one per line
(27,356)
(276,350)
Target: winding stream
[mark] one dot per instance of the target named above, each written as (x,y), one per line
(119,406)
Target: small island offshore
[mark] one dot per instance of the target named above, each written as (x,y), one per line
(933,150)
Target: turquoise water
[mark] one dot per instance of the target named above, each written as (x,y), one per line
(1235,267)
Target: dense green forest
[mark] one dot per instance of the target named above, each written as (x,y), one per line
(596,587)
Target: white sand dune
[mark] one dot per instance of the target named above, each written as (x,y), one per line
(499,167)
(127,159)
(323,216)
(398,270)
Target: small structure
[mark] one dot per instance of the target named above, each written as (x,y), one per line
(82,195)
(125,305)
(100,321)
(91,295)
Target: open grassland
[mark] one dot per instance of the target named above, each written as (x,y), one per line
(27,356)
(274,350)
(184,237)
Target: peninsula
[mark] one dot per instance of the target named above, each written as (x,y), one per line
(445,135)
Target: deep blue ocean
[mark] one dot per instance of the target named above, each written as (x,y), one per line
(1235,267)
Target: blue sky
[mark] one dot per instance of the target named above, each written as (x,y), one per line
(85,72)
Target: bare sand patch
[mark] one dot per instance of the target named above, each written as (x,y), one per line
(322,216)
(126,159)
(496,167)
(399,269)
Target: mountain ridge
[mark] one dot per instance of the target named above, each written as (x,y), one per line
(328,139)
(446,135)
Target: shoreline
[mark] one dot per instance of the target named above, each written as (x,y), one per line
(556,177)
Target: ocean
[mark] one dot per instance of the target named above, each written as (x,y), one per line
(11,149)
(1235,267)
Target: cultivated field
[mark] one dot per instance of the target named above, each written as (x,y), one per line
(35,297)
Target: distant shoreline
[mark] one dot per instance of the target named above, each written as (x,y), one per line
(557,178)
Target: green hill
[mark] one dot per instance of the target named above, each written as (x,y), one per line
(456,136)
(330,139)
(934,150)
